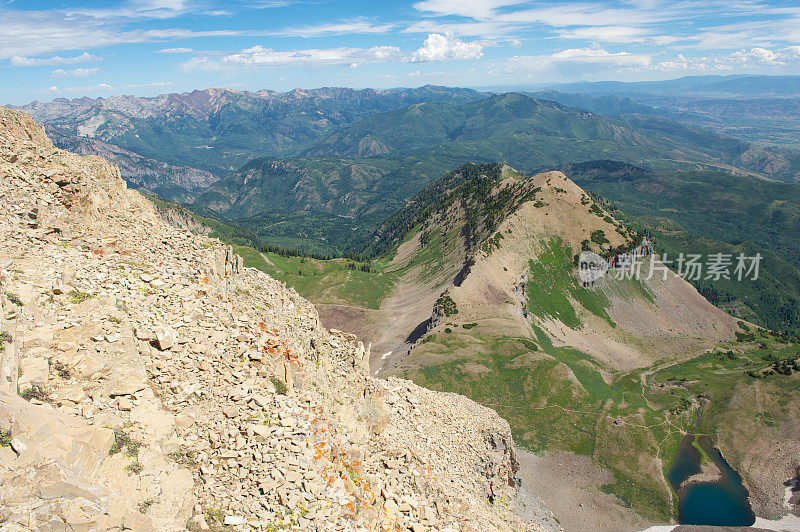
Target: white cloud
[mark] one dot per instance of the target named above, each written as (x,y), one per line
(791,53)
(32,33)
(269,4)
(146,85)
(485,29)
(137,9)
(261,56)
(478,9)
(360,26)
(752,58)
(612,34)
(19,61)
(582,14)
(175,51)
(583,60)
(438,47)
(75,73)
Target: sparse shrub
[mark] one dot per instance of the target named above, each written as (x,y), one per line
(599,237)
(61,370)
(448,330)
(123,441)
(469,326)
(184,456)
(446,304)
(5,438)
(146,504)
(213,515)
(5,337)
(280,386)
(34,392)
(14,298)
(76,296)
(745,337)
(134,468)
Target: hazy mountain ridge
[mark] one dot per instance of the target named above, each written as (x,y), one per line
(218,130)
(324,199)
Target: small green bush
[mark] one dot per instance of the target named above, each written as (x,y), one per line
(76,296)
(34,392)
(123,441)
(280,386)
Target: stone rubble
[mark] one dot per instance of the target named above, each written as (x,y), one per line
(148,381)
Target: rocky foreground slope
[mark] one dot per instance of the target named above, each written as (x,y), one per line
(149,381)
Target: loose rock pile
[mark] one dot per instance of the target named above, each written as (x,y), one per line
(149,381)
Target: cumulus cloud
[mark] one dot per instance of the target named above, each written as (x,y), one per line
(75,73)
(438,47)
(19,61)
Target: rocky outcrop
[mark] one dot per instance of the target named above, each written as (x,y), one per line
(165,386)
(179,218)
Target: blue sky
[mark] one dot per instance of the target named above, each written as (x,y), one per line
(51,49)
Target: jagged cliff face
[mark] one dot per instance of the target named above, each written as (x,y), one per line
(163,385)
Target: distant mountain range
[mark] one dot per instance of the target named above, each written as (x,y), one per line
(320,169)
(344,185)
(741,85)
(219,130)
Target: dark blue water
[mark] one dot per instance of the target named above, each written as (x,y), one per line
(722,503)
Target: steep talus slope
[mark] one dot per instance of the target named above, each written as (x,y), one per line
(163,385)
